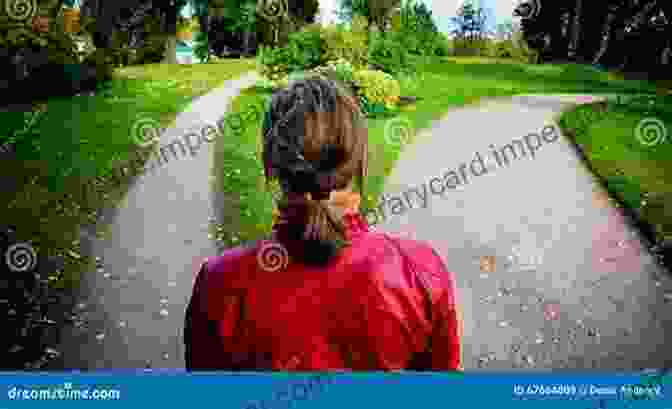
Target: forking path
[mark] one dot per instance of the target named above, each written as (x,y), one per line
(589,304)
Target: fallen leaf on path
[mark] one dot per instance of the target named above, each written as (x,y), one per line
(551,311)
(488,264)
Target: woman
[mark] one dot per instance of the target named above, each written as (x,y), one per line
(326,293)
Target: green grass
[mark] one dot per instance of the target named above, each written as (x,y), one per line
(61,174)
(440,83)
(638,174)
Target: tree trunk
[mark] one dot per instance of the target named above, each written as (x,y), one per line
(666,56)
(169,20)
(170,56)
(576,30)
(605,39)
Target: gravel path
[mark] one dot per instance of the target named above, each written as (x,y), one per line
(132,307)
(572,285)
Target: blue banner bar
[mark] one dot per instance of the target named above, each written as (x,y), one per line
(170,388)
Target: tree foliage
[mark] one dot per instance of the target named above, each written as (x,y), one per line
(607,32)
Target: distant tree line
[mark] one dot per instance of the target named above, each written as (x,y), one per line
(628,35)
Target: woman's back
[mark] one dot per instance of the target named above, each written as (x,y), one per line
(343,297)
(376,306)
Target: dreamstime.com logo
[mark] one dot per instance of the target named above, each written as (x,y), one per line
(272,256)
(146,131)
(67,392)
(19,257)
(527,9)
(651,132)
(399,131)
(272,9)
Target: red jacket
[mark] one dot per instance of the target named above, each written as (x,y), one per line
(382,304)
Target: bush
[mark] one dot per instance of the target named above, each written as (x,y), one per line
(377,88)
(202,46)
(307,48)
(387,53)
(102,63)
(152,50)
(350,45)
(274,63)
(343,70)
(303,52)
(441,46)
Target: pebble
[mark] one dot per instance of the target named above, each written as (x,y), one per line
(668,297)
(163,312)
(106,275)
(503,292)
(100,270)
(11,312)
(165,356)
(81,306)
(15,348)
(52,353)
(523,308)
(100,336)
(539,341)
(122,324)
(529,360)
(164,301)
(504,324)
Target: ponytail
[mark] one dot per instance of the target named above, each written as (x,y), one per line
(313,144)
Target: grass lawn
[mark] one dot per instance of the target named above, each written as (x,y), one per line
(440,83)
(62,174)
(637,174)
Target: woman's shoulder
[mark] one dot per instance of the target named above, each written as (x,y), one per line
(227,268)
(379,250)
(230,258)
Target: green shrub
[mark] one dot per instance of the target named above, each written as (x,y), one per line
(202,46)
(350,45)
(343,70)
(152,50)
(441,46)
(273,63)
(303,52)
(387,53)
(377,87)
(307,49)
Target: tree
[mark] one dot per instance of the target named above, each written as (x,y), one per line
(469,26)
(376,12)
(418,27)
(505,31)
(347,9)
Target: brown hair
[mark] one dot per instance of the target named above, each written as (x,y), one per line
(314,142)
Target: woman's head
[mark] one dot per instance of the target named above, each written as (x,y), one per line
(314,143)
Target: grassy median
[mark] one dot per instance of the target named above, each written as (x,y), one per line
(439,83)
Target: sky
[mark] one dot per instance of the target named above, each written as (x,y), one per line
(442,10)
